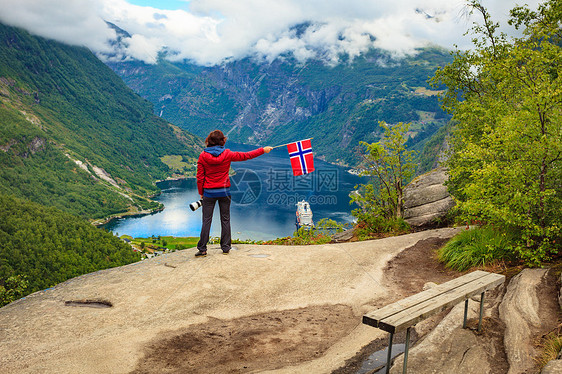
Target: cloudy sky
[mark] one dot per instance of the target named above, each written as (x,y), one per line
(211,31)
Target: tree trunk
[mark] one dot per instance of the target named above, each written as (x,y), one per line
(542,189)
(400,202)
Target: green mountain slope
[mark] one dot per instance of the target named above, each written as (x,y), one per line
(49,246)
(73,135)
(284,100)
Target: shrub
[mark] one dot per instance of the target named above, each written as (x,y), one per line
(480,246)
(369,225)
(13,289)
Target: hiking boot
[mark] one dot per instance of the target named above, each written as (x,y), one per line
(227,251)
(201,254)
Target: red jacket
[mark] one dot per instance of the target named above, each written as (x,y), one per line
(214,163)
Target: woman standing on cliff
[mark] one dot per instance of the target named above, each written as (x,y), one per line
(213,184)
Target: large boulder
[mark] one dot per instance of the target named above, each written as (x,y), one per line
(519,311)
(426,198)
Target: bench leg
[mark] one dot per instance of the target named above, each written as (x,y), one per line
(465,313)
(389,353)
(481,312)
(404,367)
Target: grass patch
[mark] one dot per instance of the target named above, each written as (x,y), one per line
(375,227)
(481,246)
(427,92)
(178,163)
(426,116)
(551,346)
(171,242)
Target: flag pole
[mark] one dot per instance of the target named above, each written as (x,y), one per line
(281,145)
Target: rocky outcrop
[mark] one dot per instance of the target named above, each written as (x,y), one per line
(72,328)
(448,348)
(519,311)
(22,149)
(426,198)
(560,293)
(343,236)
(105,176)
(37,144)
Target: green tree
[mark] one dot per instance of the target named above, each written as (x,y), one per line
(13,288)
(390,166)
(505,96)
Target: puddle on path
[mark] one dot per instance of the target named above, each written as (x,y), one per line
(377,360)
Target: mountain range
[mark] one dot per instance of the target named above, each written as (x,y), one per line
(274,102)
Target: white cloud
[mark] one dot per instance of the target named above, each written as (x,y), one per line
(143,48)
(212,31)
(75,22)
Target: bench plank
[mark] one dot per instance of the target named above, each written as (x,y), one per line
(408,317)
(373,317)
(407,312)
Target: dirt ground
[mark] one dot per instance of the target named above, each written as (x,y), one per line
(279,339)
(263,341)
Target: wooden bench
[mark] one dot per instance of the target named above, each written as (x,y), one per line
(404,314)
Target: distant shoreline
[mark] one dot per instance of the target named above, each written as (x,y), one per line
(106,220)
(175,178)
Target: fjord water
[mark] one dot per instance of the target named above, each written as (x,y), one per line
(264,197)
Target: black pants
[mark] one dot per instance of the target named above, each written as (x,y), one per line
(224,208)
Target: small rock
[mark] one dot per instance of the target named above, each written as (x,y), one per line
(553,367)
(429,285)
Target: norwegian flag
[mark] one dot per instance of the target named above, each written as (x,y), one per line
(301,157)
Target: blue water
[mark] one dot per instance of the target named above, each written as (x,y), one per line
(264,194)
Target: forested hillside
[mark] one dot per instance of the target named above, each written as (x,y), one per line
(73,135)
(75,138)
(44,246)
(284,100)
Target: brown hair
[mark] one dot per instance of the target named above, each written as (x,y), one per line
(215,138)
